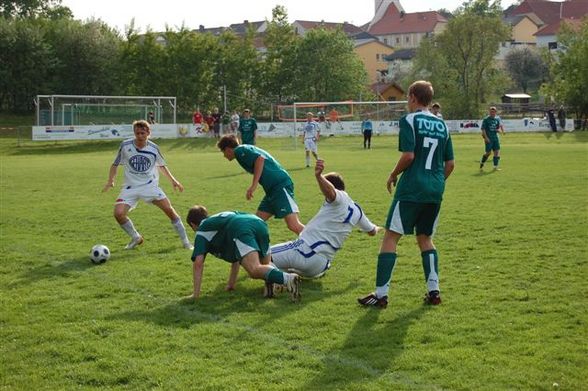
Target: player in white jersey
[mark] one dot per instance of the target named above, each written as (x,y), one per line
(311,132)
(142,160)
(311,254)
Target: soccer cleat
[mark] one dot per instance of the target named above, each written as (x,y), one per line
(268,290)
(293,286)
(134,243)
(188,246)
(496,168)
(432,298)
(372,300)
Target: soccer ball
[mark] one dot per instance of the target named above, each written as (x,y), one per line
(99,254)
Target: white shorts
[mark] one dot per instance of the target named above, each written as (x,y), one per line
(310,144)
(297,257)
(148,193)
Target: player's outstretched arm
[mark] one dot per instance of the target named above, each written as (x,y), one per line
(175,183)
(326,187)
(111,175)
(197,271)
(257,170)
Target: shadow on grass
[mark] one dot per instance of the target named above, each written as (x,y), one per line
(368,352)
(217,306)
(63,269)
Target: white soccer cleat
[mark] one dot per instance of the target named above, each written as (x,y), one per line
(293,286)
(134,243)
(188,246)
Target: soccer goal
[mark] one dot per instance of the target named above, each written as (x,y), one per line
(63,110)
(344,117)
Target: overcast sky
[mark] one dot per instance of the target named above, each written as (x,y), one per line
(217,13)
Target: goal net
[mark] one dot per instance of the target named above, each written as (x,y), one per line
(343,118)
(64,110)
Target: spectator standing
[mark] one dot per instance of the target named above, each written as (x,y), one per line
(248,128)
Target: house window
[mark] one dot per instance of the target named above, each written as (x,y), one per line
(552,45)
(377,57)
(397,39)
(386,41)
(406,39)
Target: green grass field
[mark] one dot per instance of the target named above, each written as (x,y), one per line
(513,264)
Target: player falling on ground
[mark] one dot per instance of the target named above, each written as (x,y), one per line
(311,133)
(311,254)
(425,164)
(142,159)
(491,125)
(279,188)
(240,239)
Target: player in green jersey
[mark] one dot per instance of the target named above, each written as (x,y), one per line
(425,164)
(247,128)
(240,239)
(491,125)
(267,172)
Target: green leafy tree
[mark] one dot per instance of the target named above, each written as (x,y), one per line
(569,69)
(26,61)
(526,68)
(466,64)
(86,56)
(327,68)
(32,8)
(277,79)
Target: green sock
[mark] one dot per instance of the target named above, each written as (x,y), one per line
(431,269)
(275,276)
(386,262)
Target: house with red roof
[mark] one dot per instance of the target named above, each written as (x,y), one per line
(399,29)
(547,17)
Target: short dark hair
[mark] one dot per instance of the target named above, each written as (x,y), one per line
(228,141)
(336,180)
(436,105)
(196,214)
(423,91)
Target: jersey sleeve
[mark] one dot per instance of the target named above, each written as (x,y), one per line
(363,222)
(118,157)
(159,160)
(407,139)
(484,124)
(254,127)
(247,157)
(200,246)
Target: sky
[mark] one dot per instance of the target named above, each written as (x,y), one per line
(156,14)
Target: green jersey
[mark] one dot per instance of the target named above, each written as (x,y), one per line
(428,138)
(491,126)
(272,175)
(231,235)
(247,127)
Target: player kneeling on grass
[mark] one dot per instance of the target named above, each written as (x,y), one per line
(311,254)
(141,159)
(240,239)
(426,162)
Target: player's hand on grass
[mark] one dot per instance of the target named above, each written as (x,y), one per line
(375,231)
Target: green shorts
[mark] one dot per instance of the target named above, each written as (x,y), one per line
(279,202)
(248,235)
(405,216)
(493,145)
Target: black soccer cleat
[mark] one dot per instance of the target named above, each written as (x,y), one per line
(372,300)
(432,298)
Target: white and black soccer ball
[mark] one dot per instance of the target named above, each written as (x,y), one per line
(99,254)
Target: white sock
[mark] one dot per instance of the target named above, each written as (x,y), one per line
(308,160)
(181,230)
(129,228)
(382,291)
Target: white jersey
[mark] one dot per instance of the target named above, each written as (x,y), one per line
(141,165)
(333,223)
(311,130)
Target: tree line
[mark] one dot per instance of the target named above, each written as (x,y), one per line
(44,50)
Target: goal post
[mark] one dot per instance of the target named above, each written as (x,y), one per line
(64,110)
(344,117)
